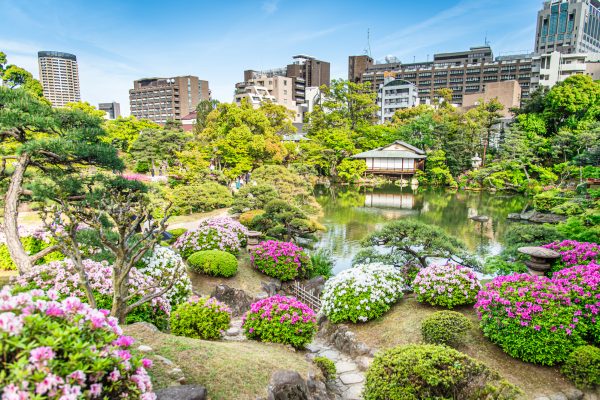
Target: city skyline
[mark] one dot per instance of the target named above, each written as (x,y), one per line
(120,43)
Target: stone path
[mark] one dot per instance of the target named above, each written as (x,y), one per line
(350,379)
(235,333)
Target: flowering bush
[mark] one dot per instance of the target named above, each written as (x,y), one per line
(201,318)
(425,371)
(65,349)
(532,318)
(446,285)
(62,277)
(362,293)
(214,262)
(219,233)
(583,367)
(33,240)
(281,260)
(166,262)
(280,319)
(574,253)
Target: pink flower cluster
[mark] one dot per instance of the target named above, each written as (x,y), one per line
(293,310)
(281,260)
(575,253)
(220,233)
(447,285)
(41,371)
(62,277)
(211,302)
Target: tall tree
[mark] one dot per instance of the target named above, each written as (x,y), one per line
(486,115)
(86,108)
(158,146)
(122,132)
(204,108)
(50,141)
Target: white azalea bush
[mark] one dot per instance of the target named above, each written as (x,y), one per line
(362,293)
(448,285)
(165,261)
(219,233)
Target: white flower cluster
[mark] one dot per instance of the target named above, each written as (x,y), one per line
(166,264)
(362,293)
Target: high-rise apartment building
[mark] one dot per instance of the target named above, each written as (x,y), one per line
(263,88)
(59,77)
(395,94)
(161,99)
(112,110)
(552,68)
(463,72)
(305,71)
(568,26)
(357,65)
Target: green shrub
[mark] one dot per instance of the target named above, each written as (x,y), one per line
(546,201)
(177,232)
(31,245)
(445,327)
(416,372)
(214,262)
(201,318)
(281,260)
(446,285)
(583,228)
(201,197)
(570,208)
(247,217)
(280,319)
(583,367)
(253,197)
(326,366)
(322,263)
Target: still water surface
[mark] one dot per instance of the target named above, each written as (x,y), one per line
(351,213)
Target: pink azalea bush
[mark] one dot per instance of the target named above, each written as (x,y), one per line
(281,260)
(221,233)
(574,253)
(448,285)
(281,319)
(539,319)
(64,349)
(63,278)
(201,318)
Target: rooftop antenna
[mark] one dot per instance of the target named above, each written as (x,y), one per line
(485,41)
(368,49)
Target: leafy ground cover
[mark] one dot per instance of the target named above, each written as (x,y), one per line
(227,369)
(402,325)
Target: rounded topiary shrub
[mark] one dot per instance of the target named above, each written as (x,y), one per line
(433,372)
(281,260)
(583,367)
(247,217)
(53,347)
(532,318)
(445,327)
(362,293)
(281,319)
(219,233)
(446,285)
(214,262)
(201,318)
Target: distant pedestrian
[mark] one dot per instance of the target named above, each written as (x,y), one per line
(238,183)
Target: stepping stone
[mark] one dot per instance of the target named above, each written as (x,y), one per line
(351,378)
(353,393)
(145,349)
(232,332)
(343,367)
(313,348)
(331,354)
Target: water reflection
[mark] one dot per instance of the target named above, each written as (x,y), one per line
(351,213)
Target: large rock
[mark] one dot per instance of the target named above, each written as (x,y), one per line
(543,218)
(183,392)
(238,300)
(288,385)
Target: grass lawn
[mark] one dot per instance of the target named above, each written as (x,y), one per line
(247,278)
(402,325)
(229,370)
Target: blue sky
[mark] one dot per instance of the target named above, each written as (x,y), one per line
(117,42)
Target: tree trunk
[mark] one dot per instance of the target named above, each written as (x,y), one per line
(11,215)
(120,292)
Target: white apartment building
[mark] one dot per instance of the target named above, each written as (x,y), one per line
(395,94)
(552,68)
(275,89)
(59,77)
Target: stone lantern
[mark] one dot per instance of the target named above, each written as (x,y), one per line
(476,161)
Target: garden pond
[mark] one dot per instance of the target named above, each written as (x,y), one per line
(350,213)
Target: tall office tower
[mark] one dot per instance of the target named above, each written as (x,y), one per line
(568,26)
(161,99)
(357,65)
(59,77)
(112,110)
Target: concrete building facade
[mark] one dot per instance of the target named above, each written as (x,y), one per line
(568,26)
(264,88)
(552,68)
(508,93)
(161,99)
(395,94)
(463,72)
(112,110)
(357,65)
(59,77)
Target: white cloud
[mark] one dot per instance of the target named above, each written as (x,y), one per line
(270,6)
